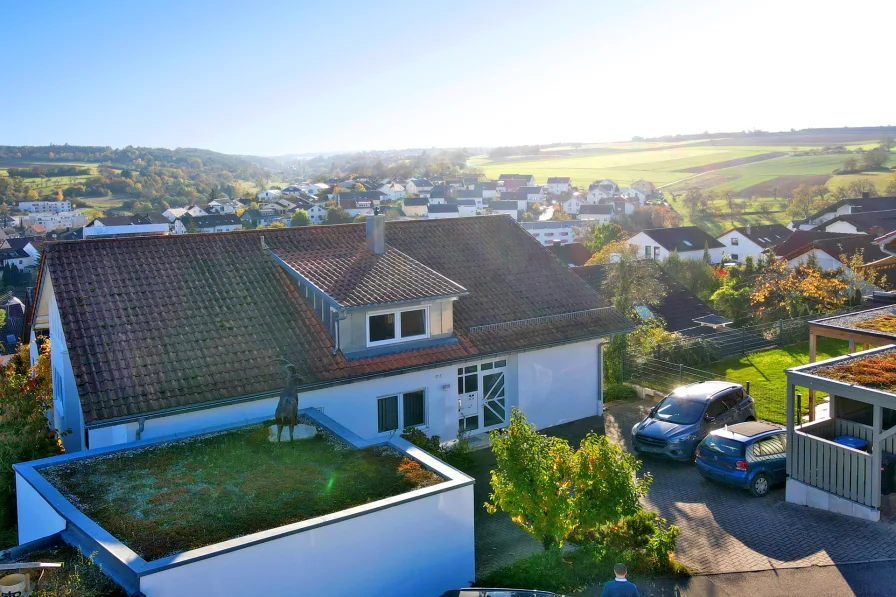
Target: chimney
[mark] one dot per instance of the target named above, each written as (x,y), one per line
(749,227)
(376,233)
(866,194)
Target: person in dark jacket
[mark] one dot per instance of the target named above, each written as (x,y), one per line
(620,587)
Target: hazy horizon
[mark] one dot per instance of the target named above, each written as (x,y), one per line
(273,79)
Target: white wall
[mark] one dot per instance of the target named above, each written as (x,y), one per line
(352,405)
(841,227)
(67,413)
(121,230)
(36,518)
(420,548)
(825,262)
(560,384)
(744,246)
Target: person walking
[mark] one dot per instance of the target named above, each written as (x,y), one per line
(620,587)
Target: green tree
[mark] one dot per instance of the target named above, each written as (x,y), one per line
(875,159)
(552,491)
(337,215)
(850,164)
(602,235)
(300,218)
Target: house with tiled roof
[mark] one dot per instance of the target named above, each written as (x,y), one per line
(602,213)
(440,194)
(387,324)
(419,186)
(414,207)
(752,240)
(442,210)
(489,189)
(874,223)
(854,205)
(209,223)
(505,208)
(688,241)
(475,195)
(558,184)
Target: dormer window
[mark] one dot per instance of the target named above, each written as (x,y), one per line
(398,325)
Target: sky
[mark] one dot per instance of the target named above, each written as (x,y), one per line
(274,78)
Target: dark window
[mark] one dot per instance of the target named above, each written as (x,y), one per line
(716,407)
(735,241)
(733,397)
(414,408)
(387,414)
(734,257)
(770,446)
(723,445)
(413,323)
(382,327)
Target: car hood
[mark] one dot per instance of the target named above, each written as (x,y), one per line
(661,429)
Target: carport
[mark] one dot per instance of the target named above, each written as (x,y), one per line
(835,464)
(857,328)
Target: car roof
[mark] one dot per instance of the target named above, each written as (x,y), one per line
(704,390)
(748,431)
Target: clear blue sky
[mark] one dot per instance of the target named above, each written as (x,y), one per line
(270,78)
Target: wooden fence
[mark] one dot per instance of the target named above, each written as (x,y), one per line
(834,468)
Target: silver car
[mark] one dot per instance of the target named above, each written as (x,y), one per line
(680,421)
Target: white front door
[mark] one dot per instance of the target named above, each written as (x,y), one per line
(468,402)
(481,396)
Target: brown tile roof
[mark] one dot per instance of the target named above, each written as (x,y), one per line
(353,276)
(155,323)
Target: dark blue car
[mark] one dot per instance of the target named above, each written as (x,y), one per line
(749,455)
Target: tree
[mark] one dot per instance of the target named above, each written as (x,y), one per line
(875,159)
(888,142)
(300,218)
(337,215)
(602,235)
(552,491)
(697,275)
(857,278)
(890,191)
(863,185)
(628,282)
(276,225)
(791,292)
(729,196)
(26,396)
(694,201)
(850,164)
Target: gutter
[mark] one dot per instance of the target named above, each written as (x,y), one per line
(326,384)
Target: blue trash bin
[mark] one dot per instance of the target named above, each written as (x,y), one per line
(851,442)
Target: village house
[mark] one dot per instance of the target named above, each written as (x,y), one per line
(19,252)
(572,205)
(533,194)
(506,208)
(475,195)
(558,184)
(392,191)
(548,231)
(173,213)
(259,218)
(633,193)
(317,213)
(414,207)
(489,189)
(441,210)
(470,182)
(865,203)
(599,214)
(466,207)
(752,240)
(269,195)
(512,182)
(419,186)
(440,194)
(519,197)
(54,221)
(45,207)
(604,189)
(209,223)
(149,223)
(688,241)
(224,206)
(407,343)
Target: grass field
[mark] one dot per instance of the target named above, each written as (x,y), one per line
(766,369)
(762,170)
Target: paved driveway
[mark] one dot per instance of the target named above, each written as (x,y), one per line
(722,529)
(727,530)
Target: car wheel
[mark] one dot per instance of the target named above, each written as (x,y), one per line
(760,485)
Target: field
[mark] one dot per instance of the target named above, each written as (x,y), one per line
(764,170)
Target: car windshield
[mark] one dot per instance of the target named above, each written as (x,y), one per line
(678,410)
(723,445)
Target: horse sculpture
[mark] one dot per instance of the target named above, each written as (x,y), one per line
(287,413)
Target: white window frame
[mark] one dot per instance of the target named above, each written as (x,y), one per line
(397,313)
(400,400)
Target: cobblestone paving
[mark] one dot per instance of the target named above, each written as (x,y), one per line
(722,529)
(727,530)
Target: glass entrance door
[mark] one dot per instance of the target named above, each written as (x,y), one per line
(494,409)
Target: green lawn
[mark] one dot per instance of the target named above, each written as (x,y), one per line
(765,370)
(188,494)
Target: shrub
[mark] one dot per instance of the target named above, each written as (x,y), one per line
(457,454)
(643,540)
(618,391)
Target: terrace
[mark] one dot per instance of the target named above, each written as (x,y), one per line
(845,463)
(185,515)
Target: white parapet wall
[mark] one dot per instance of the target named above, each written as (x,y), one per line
(416,544)
(802,494)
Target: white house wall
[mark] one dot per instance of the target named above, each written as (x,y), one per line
(744,246)
(561,384)
(67,414)
(425,548)
(841,226)
(825,261)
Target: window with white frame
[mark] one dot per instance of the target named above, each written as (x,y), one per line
(400,325)
(407,409)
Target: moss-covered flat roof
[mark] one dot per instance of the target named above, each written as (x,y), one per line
(876,370)
(879,322)
(169,498)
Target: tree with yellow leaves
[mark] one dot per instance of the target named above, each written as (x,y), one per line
(791,292)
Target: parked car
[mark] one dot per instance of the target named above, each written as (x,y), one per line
(680,421)
(749,455)
(474,592)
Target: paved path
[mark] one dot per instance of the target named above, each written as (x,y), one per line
(723,530)
(728,530)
